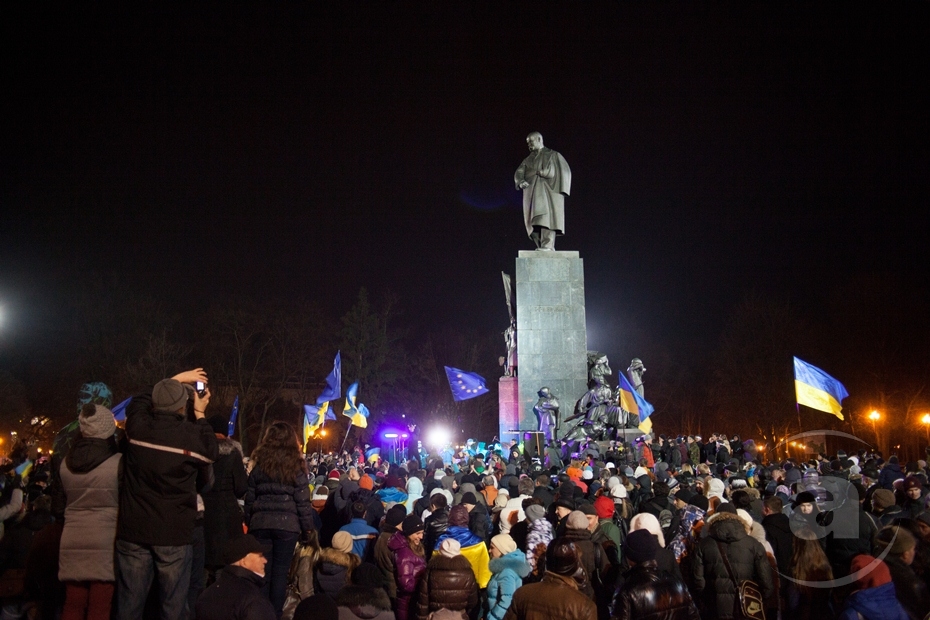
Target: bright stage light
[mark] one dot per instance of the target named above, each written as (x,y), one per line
(390,435)
(438,437)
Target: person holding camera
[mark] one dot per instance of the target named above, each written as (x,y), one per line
(168,452)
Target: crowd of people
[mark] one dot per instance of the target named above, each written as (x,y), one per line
(167,518)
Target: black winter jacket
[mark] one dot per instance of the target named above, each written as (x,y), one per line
(650,594)
(747,559)
(158,499)
(436,525)
(222,515)
(271,505)
(778,532)
(236,595)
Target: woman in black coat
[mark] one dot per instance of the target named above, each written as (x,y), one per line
(725,533)
(222,517)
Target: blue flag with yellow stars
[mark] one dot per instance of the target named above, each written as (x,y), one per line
(465,385)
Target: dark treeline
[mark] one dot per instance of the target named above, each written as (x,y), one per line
(275,354)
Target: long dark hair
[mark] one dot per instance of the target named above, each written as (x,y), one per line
(278,454)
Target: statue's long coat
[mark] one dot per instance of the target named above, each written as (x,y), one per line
(550,180)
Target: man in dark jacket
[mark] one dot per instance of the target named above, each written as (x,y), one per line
(890,472)
(158,500)
(236,594)
(777,528)
(436,523)
(648,592)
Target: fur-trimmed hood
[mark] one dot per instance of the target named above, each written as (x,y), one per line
(333,556)
(726,527)
(359,597)
(515,561)
(227,446)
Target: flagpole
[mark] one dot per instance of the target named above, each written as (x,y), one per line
(346,439)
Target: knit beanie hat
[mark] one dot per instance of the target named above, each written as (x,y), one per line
(96,421)
(641,546)
(576,521)
(535,513)
(869,572)
(334,475)
(170,395)
(894,538)
(342,541)
(648,521)
(504,543)
(365,482)
(395,515)
(469,498)
(320,493)
(728,507)
(699,501)
(458,516)
(882,498)
(912,482)
(618,492)
(450,547)
(604,507)
(412,524)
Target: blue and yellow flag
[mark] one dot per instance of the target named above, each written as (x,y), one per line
(357,413)
(633,403)
(818,390)
(315,417)
(465,385)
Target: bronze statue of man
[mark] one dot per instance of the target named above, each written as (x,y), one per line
(545,178)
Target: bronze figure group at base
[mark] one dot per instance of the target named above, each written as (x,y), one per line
(597,411)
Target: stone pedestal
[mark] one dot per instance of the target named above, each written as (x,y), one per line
(508,398)
(552,343)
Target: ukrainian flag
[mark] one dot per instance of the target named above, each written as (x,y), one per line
(818,390)
(358,414)
(633,403)
(314,417)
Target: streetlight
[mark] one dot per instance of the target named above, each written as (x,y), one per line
(875,416)
(926,423)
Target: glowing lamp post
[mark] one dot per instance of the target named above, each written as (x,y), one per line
(875,416)
(926,422)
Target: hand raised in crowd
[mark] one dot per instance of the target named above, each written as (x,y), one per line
(191,376)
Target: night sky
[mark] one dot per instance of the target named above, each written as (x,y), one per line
(230,153)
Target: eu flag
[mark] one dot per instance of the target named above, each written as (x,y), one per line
(333,389)
(633,403)
(232,417)
(818,390)
(465,385)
